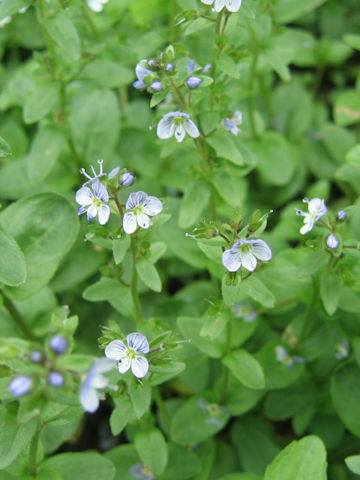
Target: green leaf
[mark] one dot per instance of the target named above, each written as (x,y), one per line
(63,31)
(182,464)
(105,289)
(231,289)
(140,395)
(152,449)
(227,65)
(347,108)
(225,147)
(313,263)
(301,460)
(231,188)
(82,466)
(288,10)
(197,25)
(190,328)
(245,368)
(9,7)
(345,391)
(45,226)
(353,40)
(330,286)
(41,101)
(45,150)
(121,415)
(257,290)
(120,247)
(196,198)
(12,261)
(353,462)
(148,274)
(14,439)
(112,75)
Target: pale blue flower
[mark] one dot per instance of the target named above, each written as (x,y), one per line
(89,395)
(215,414)
(130,355)
(169,67)
(114,172)
(231,124)
(177,124)
(141,471)
(56,379)
(244,253)
(283,356)
(93,202)
(317,209)
(244,311)
(127,179)
(341,215)
(58,344)
(20,385)
(141,206)
(36,356)
(96,5)
(191,66)
(332,241)
(207,68)
(193,81)
(231,5)
(141,72)
(156,86)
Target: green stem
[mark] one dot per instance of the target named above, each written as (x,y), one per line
(252,75)
(18,320)
(178,93)
(280,303)
(88,18)
(207,171)
(173,29)
(49,41)
(226,370)
(133,285)
(33,451)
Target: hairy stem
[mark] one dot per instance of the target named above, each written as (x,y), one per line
(133,285)
(33,450)
(18,320)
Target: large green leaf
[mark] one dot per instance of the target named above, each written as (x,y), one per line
(45,226)
(12,261)
(301,460)
(82,466)
(14,438)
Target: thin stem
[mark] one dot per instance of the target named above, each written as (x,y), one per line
(16,316)
(123,96)
(49,41)
(178,93)
(280,303)
(33,451)
(173,29)
(133,285)
(226,370)
(118,204)
(207,171)
(253,68)
(90,22)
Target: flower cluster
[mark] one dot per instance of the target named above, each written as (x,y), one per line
(93,198)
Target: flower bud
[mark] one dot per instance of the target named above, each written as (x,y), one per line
(36,356)
(157,86)
(193,81)
(20,386)
(332,241)
(55,379)
(169,67)
(58,344)
(127,179)
(341,215)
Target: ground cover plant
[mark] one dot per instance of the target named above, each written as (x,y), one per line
(179,239)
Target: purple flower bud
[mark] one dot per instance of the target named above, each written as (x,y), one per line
(191,66)
(193,81)
(20,386)
(157,86)
(127,179)
(207,68)
(55,379)
(332,241)
(58,344)
(341,215)
(36,356)
(169,67)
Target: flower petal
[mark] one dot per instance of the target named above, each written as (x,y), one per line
(129,223)
(84,196)
(208,2)
(179,132)
(140,367)
(114,172)
(219,5)
(89,398)
(116,350)
(248,261)
(191,128)
(138,342)
(91,212)
(308,225)
(233,5)
(152,206)
(164,128)
(261,250)
(135,199)
(143,220)
(104,213)
(231,260)
(100,191)
(317,207)
(124,364)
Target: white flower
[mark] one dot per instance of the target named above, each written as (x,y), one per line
(141,206)
(177,124)
(89,396)
(231,5)
(96,5)
(128,355)
(244,253)
(93,202)
(317,209)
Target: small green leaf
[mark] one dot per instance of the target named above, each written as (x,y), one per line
(152,449)
(196,197)
(330,286)
(353,462)
(82,466)
(140,395)
(5,149)
(225,147)
(12,261)
(63,31)
(121,415)
(45,150)
(105,289)
(14,439)
(149,274)
(120,247)
(41,101)
(257,290)
(245,368)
